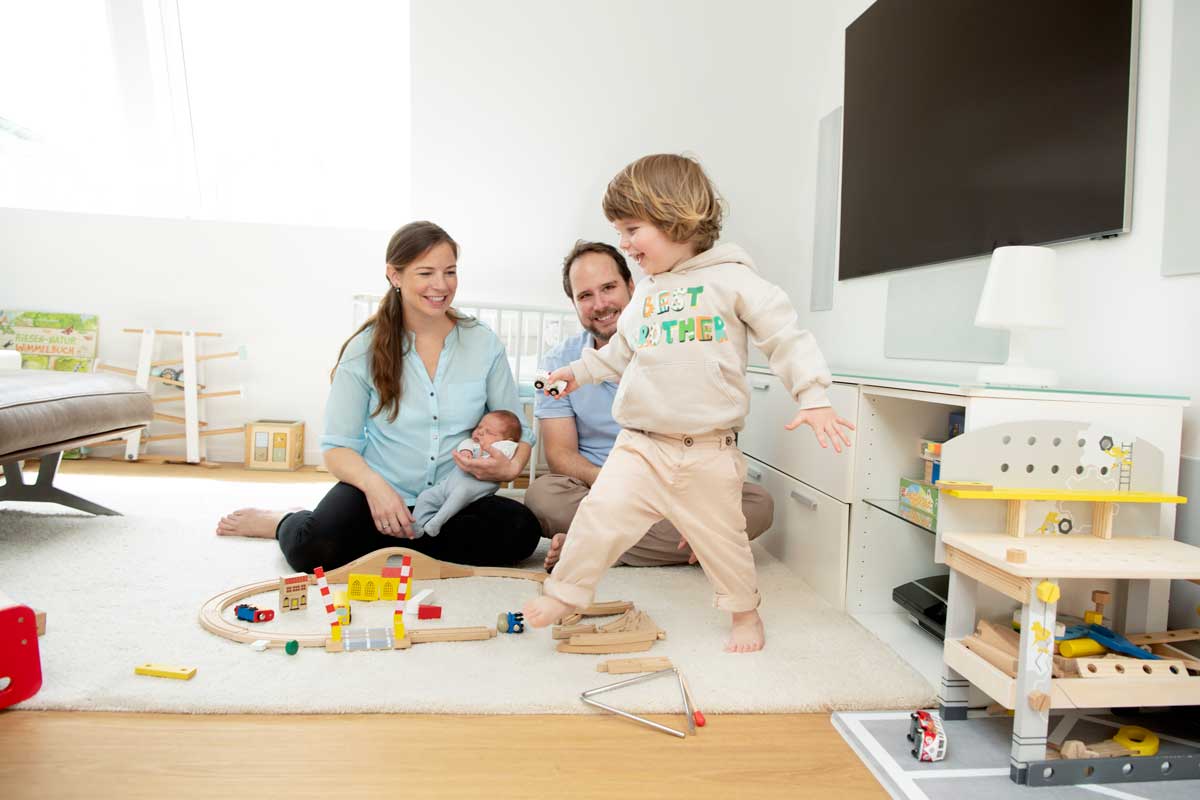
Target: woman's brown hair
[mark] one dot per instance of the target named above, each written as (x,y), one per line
(389,344)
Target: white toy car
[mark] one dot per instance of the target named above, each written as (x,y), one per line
(540,381)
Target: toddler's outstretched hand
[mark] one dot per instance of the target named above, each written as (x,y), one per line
(824,422)
(566,375)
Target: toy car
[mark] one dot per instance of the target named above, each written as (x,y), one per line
(926,734)
(252,614)
(541,380)
(510,622)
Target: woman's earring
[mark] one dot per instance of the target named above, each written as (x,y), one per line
(397,288)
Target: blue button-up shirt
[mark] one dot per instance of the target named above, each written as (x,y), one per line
(414,452)
(590,405)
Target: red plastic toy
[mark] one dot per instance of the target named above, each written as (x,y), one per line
(429,612)
(20,661)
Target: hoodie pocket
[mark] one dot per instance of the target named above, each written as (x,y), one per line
(683,397)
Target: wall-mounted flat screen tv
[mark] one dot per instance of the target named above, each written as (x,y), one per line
(971,124)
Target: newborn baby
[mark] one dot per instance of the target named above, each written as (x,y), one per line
(435,505)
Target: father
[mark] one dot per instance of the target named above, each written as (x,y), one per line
(578,431)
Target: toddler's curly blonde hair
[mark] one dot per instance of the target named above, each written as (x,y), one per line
(671,192)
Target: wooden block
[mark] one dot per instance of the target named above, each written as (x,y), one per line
(617,666)
(606,609)
(165,671)
(620,637)
(1102,517)
(567,631)
(1015,555)
(1165,637)
(601,649)
(1039,701)
(1015,521)
(570,619)
(40,617)
(1187,659)
(451,634)
(995,656)
(1000,636)
(1166,669)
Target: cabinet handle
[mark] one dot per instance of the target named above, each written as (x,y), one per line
(754,474)
(760,387)
(808,501)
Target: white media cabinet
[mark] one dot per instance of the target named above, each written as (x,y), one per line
(836,524)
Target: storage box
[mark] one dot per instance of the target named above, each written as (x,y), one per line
(274,444)
(921,497)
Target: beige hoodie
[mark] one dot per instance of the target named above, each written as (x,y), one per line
(680,349)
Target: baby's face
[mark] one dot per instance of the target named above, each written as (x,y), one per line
(488,432)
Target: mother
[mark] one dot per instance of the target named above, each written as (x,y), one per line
(409,384)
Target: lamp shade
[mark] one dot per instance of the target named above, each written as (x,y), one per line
(1021,290)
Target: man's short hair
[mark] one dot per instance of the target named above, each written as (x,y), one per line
(582,247)
(511,424)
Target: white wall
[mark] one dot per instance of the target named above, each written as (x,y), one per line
(283,292)
(523,112)
(1130,329)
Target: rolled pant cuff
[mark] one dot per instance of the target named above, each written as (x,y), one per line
(737,603)
(572,595)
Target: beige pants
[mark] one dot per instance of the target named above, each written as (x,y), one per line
(694,481)
(555,500)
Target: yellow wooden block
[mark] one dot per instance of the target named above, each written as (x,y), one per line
(165,671)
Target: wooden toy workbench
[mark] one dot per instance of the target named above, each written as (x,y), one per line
(996,538)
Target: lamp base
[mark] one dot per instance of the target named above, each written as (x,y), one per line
(1016,375)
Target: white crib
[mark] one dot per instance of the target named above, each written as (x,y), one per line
(526,331)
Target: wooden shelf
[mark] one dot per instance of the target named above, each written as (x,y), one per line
(1078,693)
(1062,494)
(1082,556)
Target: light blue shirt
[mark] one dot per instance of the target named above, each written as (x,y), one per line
(590,405)
(413,452)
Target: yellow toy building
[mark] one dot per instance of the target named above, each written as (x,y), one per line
(274,444)
(293,592)
(367,588)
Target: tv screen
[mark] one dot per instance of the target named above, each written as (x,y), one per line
(971,124)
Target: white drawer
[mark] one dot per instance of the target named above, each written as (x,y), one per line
(810,533)
(797,453)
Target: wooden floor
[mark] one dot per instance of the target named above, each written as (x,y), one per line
(53,755)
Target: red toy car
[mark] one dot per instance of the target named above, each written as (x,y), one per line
(253,614)
(927,736)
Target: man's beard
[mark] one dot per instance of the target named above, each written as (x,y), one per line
(594,330)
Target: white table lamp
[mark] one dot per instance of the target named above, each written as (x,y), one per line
(1021,294)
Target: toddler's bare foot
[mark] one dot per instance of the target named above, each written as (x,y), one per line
(542,611)
(556,545)
(746,634)
(257,523)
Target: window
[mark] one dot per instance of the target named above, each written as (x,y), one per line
(293,112)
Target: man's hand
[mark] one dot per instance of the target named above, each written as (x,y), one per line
(388,510)
(824,422)
(497,469)
(565,374)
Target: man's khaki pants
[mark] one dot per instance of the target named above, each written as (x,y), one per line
(695,481)
(555,499)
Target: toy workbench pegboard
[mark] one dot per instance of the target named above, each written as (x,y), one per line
(1037,515)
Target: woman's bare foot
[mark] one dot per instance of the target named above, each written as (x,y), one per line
(746,634)
(541,611)
(556,545)
(257,523)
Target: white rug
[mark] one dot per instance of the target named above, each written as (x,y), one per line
(120,591)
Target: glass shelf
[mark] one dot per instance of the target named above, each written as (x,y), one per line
(893,507)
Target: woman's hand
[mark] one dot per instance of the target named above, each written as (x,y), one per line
(824,422)
(388,509)
(565,374)
(497,469)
